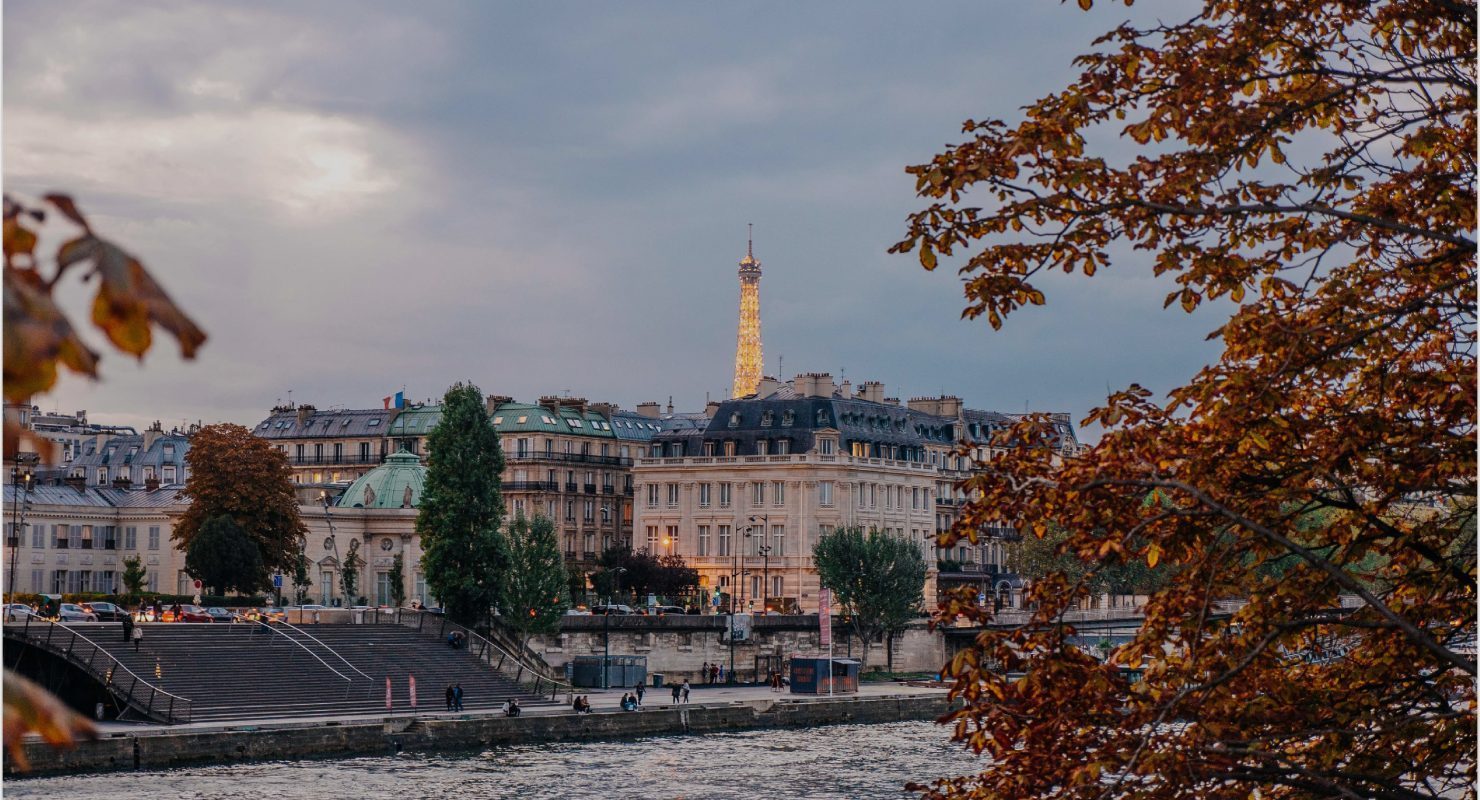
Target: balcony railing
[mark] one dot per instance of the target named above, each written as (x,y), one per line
(334,461)
(608,490)
(569,458)
(570,487)
(531,486)
(590,488)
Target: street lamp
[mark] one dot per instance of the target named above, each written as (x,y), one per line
(764,551)
(606,637)
(23,481)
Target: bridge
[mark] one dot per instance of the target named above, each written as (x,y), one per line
(204,672)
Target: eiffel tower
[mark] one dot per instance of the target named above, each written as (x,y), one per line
(748,338)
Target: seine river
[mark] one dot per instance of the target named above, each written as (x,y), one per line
(840,761)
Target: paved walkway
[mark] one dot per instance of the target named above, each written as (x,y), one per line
(602,701)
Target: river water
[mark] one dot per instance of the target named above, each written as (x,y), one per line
(839,761)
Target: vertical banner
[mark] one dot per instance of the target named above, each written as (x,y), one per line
(824,618)
(387,692)
(413,691)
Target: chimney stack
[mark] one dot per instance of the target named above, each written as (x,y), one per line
(496,400)
(649,410)
(304,412)
(767,387)
(872,391)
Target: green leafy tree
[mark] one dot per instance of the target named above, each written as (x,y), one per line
(878,578)
(301,579)
(134,575)
(397,578)
(534,591)
(464,556)
(349,575)
(224,557)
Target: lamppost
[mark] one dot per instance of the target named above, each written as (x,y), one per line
(333,542)
(22,481)
(606,637)
(764,551)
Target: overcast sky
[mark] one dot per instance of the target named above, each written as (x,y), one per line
(353,197)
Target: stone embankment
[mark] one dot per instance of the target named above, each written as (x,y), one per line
(156,748)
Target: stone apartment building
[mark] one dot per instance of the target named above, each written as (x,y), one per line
(330,446)
(744,495)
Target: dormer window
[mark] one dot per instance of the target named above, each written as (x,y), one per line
(788,418)
(767,418)
(735,419)
(821,416)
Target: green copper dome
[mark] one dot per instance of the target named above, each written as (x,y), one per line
(395,484)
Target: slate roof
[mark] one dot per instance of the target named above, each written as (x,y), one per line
(326,424)
(163,497)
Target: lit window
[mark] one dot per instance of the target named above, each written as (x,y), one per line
(522,420)
(574,423)
(498,420)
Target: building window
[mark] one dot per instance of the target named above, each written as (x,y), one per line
(652,539)
(671,539)
(825,493)
(767,418)
(570,509)
(778,540)
(724,541)
(703,540)
(735,420)
(724,495)
(778,586)
(102,475)
(38,536)
(74,537)
(672,495)
(652,495)
(788,418)
(758,493)
(590,510)
(519,507)
(37,577)
(704,495)
(59,537)
(708,448)
(154,537)
(729,449)
(783,447)
(760,447)
(778,493)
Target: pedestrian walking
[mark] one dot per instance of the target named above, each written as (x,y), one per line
(704,672)
(128,627)
(640,690)
(138,636)
(720,678)
(676,690)
(714,673)
(685,694)
(457,697)
(451,697)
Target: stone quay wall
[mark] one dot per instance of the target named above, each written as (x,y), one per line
(679,645)
(164,748)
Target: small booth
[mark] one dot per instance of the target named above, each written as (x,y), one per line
(810,675)
(621,671)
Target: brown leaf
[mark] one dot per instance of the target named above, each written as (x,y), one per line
(37,336)
(68,208)
(31,709)
(129,300)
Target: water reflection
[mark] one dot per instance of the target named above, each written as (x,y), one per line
(842,761)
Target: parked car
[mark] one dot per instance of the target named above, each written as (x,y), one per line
(577,612)
(106,612)
(219,614)
(71,612)
(187,613)
(661,610)
(614,608)
(18,612)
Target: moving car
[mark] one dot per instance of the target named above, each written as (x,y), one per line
(106,612)
(219,614)
(188,613)
(265,615)
(614,608)
(662,610)
(71,612)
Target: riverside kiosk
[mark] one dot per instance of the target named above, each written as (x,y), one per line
(810,675)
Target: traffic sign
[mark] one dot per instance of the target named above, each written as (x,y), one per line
(277,581)
(198,583)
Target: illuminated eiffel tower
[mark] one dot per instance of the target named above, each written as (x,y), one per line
(748,339)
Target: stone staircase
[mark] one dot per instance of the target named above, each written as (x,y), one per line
(245,671)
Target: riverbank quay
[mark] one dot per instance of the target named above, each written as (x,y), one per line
(711,710)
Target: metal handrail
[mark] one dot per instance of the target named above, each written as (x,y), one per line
(320,643)
(486,652)
(108,676)
(304,647)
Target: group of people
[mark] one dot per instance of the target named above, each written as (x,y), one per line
(629,702)
(680,691)
(582,704)
(131,632)
(457,640)
(512,709)
(454,697)
(774,680)
(712,673)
